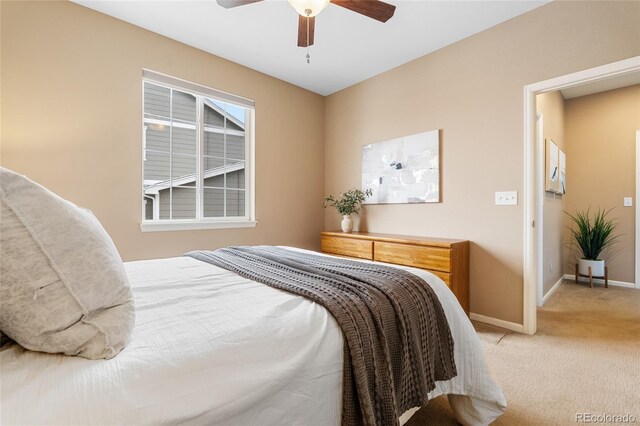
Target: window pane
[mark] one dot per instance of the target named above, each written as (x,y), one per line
(213,113)
(156,100)
(235,146)
(235,174)
(213,143)
(158,137)
(172,149)
(235,202)
(183,170)
(221,114)
(237,115)
(163,203)
(148,208)
(184,106)
(234,115)
(156,167)
(183,202)
(184,141)
(213,202)
(214,172)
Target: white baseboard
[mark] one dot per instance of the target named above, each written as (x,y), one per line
(572,277)
(497,322)
(552,290)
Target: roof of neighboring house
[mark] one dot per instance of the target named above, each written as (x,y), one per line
(224,113)
(185,179)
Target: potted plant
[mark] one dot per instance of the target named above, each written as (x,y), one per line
(347,204)
(592,235)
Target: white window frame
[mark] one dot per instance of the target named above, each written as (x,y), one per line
(201,222)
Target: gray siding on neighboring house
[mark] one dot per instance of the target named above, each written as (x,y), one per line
(235,203)
(157,101)
(215,181)
(184,199)
(234,180)
(156,165)
(214,202)
(214,197)
(172,150)
(184,107)
(215,163)
(235,147)
(184,203)
(214,144)
(213,118)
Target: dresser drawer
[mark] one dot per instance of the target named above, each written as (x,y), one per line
(347,247)
(432,258)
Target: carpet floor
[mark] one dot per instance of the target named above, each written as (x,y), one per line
(585,358)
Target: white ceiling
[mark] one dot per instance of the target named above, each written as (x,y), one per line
(598,86)
(349,48)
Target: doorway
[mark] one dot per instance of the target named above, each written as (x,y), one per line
(532,198)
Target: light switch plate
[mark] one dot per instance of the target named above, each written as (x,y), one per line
(507,198)
(628,201)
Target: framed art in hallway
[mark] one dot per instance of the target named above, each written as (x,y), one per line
(563,172)
(552,167)
(403,170)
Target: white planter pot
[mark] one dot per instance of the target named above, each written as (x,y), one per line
(597,267)
(347,223)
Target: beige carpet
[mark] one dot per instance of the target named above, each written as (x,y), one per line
(585,358)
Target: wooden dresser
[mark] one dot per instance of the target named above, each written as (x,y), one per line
(448,259)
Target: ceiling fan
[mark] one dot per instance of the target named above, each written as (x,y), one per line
(309,9)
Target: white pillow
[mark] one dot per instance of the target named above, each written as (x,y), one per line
(62,282)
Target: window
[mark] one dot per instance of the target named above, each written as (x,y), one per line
(197,156)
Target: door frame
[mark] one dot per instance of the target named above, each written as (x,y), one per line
(540,180)
(637,209)
(532,197)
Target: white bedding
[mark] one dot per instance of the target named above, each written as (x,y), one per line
(210,347)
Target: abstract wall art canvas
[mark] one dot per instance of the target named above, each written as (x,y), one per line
(552,169)
(403,170)
(563,173)
(555,168)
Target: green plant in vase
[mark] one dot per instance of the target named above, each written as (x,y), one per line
(346,204)
(592,235)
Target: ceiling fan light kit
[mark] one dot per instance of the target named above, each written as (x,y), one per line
(309,9)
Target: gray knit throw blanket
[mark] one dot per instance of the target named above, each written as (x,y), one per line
(397,339)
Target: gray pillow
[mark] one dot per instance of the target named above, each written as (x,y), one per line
(63,285)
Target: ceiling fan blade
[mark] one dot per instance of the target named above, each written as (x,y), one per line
(302,30)
(228,4)
(374,9)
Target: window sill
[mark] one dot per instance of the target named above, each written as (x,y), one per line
(192,225)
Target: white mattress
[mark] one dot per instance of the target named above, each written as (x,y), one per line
(210,347)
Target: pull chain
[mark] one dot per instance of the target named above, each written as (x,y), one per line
(308,56)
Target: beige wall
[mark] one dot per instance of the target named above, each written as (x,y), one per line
(551,105)
(601,139)
(55,55)
(473,91)
(69,74)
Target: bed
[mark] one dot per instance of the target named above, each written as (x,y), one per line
(210,347)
